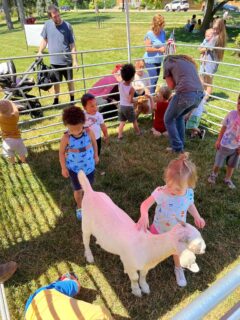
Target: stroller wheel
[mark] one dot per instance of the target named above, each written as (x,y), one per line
(36,113)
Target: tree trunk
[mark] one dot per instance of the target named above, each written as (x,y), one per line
(210,12)
(208,15)
(123,5)
(21,11)
(6,10)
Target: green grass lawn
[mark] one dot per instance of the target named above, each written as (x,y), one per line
(38,227)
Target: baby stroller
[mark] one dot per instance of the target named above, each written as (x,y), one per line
(16,89)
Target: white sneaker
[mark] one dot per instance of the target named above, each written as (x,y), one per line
(180,277)
(229,183)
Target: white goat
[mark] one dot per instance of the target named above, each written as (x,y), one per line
(117,233)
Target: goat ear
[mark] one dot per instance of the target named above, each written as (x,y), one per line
(188,260)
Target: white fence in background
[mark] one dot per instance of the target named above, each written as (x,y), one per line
(48,128)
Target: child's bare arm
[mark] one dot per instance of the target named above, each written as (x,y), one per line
(202,50)
(221,133)
(170,83)
(62,148)
(198,220)
(94,143)
(143,222)
(105,132)
(131,95)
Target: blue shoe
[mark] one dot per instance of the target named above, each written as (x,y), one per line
(79,214)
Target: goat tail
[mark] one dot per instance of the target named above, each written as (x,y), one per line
(86,186)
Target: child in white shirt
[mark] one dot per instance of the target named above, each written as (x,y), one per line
(126,109)
(94,119)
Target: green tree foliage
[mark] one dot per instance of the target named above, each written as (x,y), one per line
(66,3)
(101,4)
(40,8)
(42,5)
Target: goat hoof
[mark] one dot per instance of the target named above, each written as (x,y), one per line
(89,258)
(137,293)
(145,289)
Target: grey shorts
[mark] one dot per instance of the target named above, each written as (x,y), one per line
(11,146)
(229,155)
(126,113)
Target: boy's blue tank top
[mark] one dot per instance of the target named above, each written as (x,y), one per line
(84,160)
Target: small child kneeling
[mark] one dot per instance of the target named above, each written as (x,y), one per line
(12,142)
(163,95)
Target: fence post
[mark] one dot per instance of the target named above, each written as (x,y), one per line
(3,304)
(83,73)
(128,31)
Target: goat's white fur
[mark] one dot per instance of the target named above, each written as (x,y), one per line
(139,251)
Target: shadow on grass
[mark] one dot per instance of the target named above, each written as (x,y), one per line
(4,29)
(128,181)
(222,95)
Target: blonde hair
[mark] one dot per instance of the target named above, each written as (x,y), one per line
(221,37)
(6,107)
(164,91)
(181,171)
(158,23)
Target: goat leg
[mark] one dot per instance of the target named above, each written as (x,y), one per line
(88,253)
(133,276)
(143,283)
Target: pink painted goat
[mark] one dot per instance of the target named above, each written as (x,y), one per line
(139,252)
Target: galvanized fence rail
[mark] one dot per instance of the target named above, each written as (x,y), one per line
(48,128)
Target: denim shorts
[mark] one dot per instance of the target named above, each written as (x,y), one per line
(75,182)
(126,113)
(229,155)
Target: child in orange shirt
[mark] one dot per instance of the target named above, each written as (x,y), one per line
(12,142)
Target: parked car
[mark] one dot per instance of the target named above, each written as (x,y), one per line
(177,5)
(65,8)
(229,7)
